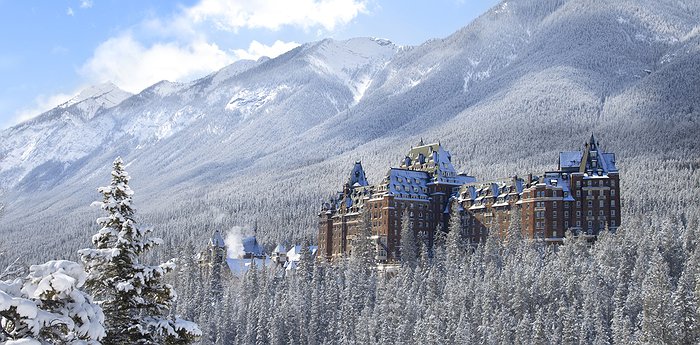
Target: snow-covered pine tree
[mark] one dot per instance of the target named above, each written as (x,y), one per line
(439,239)
(409,248)
(135,301)
(657,314)
(685,304)
(454,246)
(49,307)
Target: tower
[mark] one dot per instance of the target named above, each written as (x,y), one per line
(216,252)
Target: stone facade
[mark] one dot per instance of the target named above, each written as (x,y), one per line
(581,196)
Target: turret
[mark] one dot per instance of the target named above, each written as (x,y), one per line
(357,176)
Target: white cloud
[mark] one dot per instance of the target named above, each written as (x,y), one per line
(273,14)
(70,12)
(256,50)
(133,66)
(181,51)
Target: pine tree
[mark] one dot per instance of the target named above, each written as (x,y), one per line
(455,242)
(135,301)
(657,317)
(409,247)
(686,305)
(49,307)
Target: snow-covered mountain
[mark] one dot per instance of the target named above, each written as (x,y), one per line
(266,140)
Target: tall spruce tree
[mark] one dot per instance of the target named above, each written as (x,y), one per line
(135,301)
(409,247)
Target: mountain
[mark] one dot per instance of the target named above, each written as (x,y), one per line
(264,141)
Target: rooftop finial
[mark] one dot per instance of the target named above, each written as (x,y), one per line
(421,142)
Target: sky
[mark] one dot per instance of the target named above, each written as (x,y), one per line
(52,49)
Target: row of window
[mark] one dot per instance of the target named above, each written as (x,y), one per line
(600,183)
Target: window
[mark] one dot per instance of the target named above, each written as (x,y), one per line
(566,214)
(554,214)
(590,225)
(612,203)
(602,203)
(566,224)
(578,223)
(612,223)
(578,214)
(578,193)
(590,203)
(578,204)
(578,184)
(566,205)
(612,213)
(612,192)
(612,183)
(601,213)
(554,226)
(590,193)
(590,213)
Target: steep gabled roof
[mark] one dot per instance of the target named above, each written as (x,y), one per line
(592,160)
(357,176)
(216,240)
(436,161)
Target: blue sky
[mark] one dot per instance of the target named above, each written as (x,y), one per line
(53,49)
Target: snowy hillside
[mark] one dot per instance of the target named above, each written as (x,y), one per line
(266,140)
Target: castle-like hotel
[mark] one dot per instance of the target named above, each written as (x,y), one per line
(582,196)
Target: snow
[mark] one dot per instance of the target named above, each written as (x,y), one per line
(104,95)
(354,61)
(570,159)
(294,254)
(26,309)
(240,266)
(25,341)
(188,327)
(248,102)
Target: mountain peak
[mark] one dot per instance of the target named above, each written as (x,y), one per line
(106,93)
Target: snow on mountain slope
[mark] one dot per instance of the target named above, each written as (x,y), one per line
(61,135)
(220,102)
(354,61)
(96,98)
(272,137)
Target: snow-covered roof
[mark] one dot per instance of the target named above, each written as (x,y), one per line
(279,249)
(436,161)
(251,246)
(591,160)
(241,266)
(560,180)
(294,254)
(570,160)
(501,190)
(357,176)
(216,240)
(404,183)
